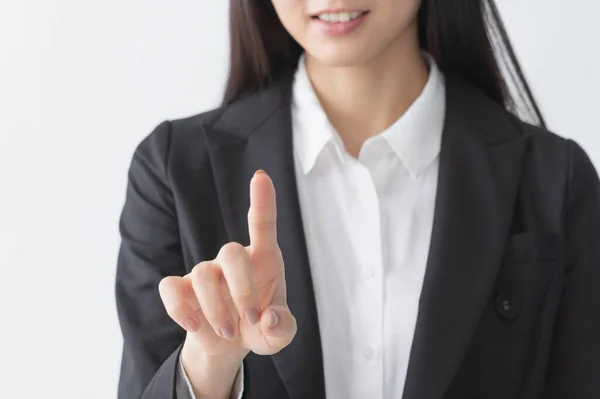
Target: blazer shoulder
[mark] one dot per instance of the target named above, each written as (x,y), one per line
(171,139)
(237,118)
(545,146)
(538,134)
(547,140)
(560,159)
(180,145)
(557,147)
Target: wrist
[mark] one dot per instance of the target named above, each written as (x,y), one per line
(211,376)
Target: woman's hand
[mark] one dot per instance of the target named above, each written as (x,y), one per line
(235,303)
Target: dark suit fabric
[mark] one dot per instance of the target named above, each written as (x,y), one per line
(510,306)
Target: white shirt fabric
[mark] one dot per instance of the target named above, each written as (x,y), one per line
(368,223)
(184,390)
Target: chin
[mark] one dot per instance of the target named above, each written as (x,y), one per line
(340,55)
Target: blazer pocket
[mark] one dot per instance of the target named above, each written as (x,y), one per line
(529,246)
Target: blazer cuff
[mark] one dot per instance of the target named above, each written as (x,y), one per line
(162,385)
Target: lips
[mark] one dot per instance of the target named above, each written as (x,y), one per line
(339,22)
(341,16)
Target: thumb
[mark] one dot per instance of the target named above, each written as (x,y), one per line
(278,326)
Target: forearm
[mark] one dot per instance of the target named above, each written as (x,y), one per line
(211,377)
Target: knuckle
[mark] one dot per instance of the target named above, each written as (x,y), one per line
(234,251)
(201,272)
(165,282)
(167,285)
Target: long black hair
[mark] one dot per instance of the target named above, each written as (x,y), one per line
(466,38)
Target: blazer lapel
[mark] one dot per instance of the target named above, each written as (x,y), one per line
(480,163)
(256,134)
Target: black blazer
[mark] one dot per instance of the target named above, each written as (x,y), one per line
(510,306)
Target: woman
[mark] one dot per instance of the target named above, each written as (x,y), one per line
(424,242)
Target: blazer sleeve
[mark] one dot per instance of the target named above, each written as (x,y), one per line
(574,370)
(150,250)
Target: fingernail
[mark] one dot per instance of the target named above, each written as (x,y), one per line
(260,172)
(191,325)
(251,316)
(227,331)
(273,320)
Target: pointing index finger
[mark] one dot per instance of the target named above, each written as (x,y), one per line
(262,216)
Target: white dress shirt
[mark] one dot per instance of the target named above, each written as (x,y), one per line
(368,223)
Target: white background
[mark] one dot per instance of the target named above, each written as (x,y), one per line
(82,82)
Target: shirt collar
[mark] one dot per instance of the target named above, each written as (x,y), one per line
(311,128)
(415,137)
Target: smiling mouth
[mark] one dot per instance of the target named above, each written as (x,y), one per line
(338,16)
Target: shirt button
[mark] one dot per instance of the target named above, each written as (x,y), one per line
(369,353)
(369,273)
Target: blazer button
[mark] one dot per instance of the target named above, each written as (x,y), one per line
(508,306)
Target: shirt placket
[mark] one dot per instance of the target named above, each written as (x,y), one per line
(369,294)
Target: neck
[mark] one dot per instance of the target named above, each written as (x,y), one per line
(363,100)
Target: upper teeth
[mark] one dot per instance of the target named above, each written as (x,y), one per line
(340,16)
